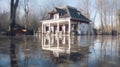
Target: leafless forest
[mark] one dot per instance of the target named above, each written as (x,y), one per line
(105,14)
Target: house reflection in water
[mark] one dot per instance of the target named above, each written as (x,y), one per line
(56,45)
(60,51)
(66,47)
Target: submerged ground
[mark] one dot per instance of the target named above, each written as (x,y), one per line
(60,51)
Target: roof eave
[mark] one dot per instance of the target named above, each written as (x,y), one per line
(81,20)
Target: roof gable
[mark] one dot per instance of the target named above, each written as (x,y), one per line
(61,11)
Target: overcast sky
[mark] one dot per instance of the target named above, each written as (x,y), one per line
(41,3)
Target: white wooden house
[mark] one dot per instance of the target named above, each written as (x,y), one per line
(65,20)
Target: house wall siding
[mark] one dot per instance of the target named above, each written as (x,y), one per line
(83,28)
(56,16)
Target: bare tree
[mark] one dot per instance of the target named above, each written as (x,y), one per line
(100,9)
(107,10)
(4,20)
(118,21)
(55,3)
(14,5)
(26,10)
(104,8)
(85,7)
(119,17)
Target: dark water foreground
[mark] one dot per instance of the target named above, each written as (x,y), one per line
(60,51)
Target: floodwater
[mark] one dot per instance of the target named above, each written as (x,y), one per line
(60,51)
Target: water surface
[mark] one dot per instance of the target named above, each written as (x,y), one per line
(60,51)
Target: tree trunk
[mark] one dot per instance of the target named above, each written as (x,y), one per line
(13,57)
(13,7)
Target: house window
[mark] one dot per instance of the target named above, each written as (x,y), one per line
(56,16)
(51,16)
(60,28)
(47,28)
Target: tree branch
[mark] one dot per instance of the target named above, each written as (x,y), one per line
(12,4)
(16,4)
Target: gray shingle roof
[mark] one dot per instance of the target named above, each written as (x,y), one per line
(72,12)
(62,11)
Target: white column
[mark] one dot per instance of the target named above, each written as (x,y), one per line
(63,40)
(63,29)
(58,27)
(69,43)
(42,41)
(52,40)
(53,30)
(49,28)
(58,43)
(42,28)
(49,41)
(69,26)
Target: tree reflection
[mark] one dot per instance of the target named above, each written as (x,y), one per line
(13,56)
(65,50)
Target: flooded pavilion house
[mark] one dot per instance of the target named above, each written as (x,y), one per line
(66,20)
